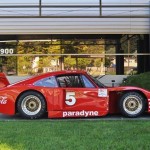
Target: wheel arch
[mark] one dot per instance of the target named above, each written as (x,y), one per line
(115,97)
(140,93)
(137,91)
(30,90)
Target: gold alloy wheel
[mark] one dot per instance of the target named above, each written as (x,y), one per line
(31,105)
(132,104)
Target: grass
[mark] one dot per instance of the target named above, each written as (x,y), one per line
(75,135)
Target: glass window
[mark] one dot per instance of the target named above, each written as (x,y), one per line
(96,54)
(69,81)
(87,83)
(47,82)
(97,82)
(130,65)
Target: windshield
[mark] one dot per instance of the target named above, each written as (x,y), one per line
(97,82)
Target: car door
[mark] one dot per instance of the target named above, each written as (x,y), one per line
(81,97)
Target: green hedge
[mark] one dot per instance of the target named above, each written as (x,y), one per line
(141,80)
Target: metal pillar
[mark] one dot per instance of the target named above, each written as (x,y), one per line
(40,7)
(119,59)
(143,61)
(100,7)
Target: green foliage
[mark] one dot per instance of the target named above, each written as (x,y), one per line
(70,63)
(74,135)
(107,62)
(141,80)
(26,64)
(11,63)
(98,62)
(83,63)
(130,47)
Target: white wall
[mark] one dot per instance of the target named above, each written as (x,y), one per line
(76,25)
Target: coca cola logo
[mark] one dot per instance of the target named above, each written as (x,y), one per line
(3,100)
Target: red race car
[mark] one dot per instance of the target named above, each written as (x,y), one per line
(71,94)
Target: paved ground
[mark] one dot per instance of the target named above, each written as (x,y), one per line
(109,117)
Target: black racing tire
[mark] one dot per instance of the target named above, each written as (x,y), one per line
(132,104)
(31,105)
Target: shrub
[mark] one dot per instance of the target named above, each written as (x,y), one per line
(141,80)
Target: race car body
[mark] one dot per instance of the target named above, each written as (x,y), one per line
(70,94)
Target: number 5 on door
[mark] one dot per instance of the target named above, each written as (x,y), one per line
(70,98)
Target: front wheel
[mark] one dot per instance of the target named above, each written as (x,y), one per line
(31,105)
(132,104)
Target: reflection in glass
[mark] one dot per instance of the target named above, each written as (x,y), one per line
(97,56)
(31,65)
(8,65)
(130,65)
(110,65)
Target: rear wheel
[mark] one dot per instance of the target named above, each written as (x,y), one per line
(31,105)
(132,104)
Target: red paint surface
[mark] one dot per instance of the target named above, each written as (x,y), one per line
(3,80)
(87,100)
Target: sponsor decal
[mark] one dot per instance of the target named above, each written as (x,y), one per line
(102,92)
(3,100)
(82,113)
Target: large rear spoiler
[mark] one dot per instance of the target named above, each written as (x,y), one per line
(3,80)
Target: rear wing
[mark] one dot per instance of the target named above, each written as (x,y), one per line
(3,80)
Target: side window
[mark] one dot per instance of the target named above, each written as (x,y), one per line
(69,81)
(87,82)
(47,82)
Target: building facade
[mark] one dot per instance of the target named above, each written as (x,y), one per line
(102,37)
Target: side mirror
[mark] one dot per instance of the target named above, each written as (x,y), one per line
(113,83)
(124,80)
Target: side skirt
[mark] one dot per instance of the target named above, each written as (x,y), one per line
(76,114)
